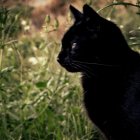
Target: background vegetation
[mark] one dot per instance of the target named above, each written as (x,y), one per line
(38,99)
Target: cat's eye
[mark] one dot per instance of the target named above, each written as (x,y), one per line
(74,45)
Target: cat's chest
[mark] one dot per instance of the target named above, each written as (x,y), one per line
(101,96)
(101,101)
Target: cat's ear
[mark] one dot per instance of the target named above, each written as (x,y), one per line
(76,13)
(89,12)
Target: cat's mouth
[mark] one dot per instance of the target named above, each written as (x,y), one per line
(71,69)
(68,65)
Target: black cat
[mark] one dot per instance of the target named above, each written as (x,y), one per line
(110,72)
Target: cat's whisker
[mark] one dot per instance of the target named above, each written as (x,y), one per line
(84,67)
(88,71)
(97,64)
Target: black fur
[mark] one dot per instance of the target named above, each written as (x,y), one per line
(110,72)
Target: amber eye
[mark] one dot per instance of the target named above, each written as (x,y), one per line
(74,45)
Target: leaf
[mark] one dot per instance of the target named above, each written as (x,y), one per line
(7,69)
(47,19)
(41,85)
(56,24)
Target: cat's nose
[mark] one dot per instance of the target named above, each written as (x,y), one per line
(58,59)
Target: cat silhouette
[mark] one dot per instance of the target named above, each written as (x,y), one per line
(110,71)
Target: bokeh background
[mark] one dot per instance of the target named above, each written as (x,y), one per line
(39,100)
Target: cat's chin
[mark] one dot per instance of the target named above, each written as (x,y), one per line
(69,69)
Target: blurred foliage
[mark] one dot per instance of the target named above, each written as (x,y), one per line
(10,20)
(38,99)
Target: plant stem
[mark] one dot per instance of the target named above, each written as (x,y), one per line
(1,57)
(21,65)
(119,3)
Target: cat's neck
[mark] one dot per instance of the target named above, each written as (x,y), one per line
(110,75)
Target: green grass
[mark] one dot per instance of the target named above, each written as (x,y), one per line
(39,100)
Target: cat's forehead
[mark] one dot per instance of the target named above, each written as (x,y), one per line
(81,23)
(86,21)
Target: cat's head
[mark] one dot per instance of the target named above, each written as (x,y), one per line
(91,39)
